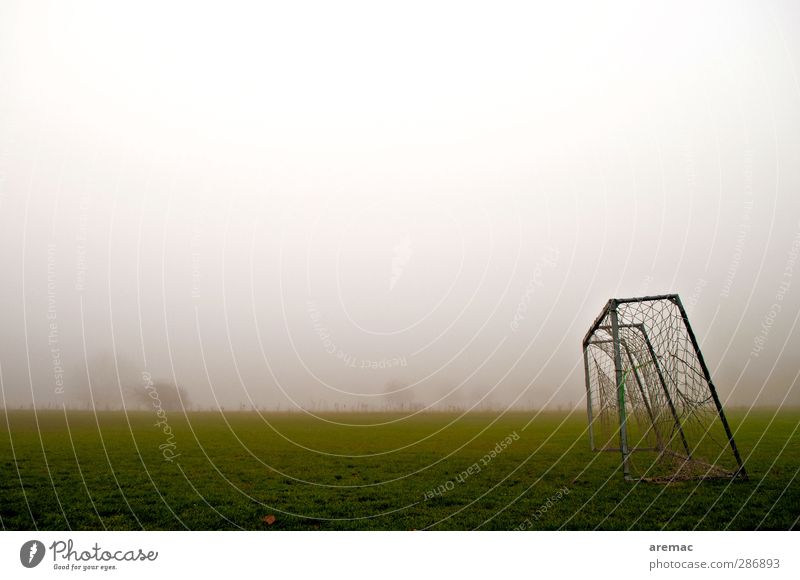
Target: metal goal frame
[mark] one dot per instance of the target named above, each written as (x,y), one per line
(613,336)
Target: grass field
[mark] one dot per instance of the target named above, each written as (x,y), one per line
(81,471)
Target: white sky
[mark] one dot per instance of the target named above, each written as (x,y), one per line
(408,169)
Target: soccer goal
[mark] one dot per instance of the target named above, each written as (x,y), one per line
(650,396)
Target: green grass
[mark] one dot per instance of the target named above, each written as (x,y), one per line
(107,472)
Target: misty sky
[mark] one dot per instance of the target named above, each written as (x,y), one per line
(308,203)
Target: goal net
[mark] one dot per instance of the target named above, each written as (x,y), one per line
(650,395)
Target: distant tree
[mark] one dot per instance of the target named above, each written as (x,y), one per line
(101,381)
(160,394)
(398,396)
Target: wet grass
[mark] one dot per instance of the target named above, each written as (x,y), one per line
(368,471)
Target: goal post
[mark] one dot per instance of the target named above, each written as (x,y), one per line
(650,396)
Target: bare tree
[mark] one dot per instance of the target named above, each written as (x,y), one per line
(398,396)
(159,394)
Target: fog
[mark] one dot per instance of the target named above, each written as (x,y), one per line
(318,206)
